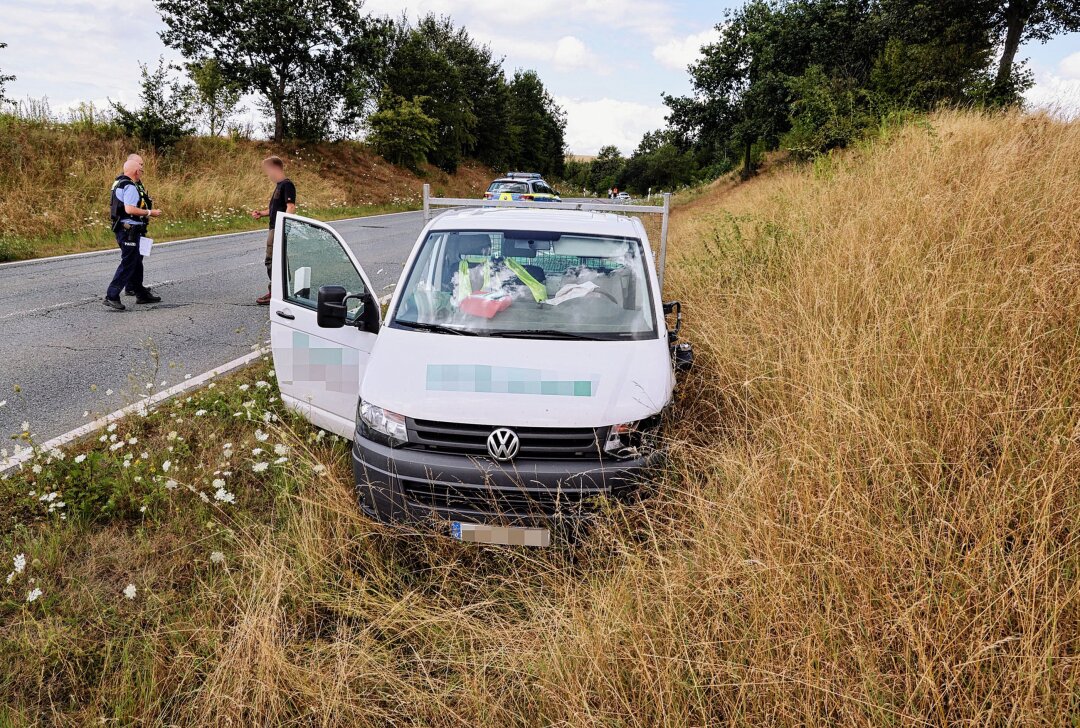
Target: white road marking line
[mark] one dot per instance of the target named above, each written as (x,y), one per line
(32,261)
(141,407)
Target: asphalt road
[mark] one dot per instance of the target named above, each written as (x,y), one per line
(65,351)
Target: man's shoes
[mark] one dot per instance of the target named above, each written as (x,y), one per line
(263,300)
(115,305)
(147,296)
(129,292)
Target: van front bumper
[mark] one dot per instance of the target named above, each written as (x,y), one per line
(406,486)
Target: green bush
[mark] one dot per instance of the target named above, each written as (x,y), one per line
(401,131)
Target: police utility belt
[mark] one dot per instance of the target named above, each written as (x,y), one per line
(132,232)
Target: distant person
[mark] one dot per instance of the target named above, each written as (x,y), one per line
(283,200)
(130,209)
(610,194)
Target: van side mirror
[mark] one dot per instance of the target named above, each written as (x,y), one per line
(369,317)
(331,312)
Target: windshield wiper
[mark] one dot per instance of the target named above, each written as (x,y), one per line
(545,334)
(434,328)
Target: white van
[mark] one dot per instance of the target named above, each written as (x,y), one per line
(521,367)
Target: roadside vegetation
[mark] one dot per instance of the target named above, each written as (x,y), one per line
(870,516)
(206,185)
(798,78)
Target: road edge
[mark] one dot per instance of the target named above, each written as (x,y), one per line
(141,407)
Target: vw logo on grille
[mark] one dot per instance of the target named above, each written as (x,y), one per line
(503,444)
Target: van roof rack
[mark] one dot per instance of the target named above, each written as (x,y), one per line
(585,205)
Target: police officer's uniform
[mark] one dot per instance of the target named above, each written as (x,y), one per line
(129,274)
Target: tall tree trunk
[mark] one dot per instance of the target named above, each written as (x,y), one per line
(278,102)
(1016,15)
(279,121)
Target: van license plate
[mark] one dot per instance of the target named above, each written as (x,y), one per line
(505,535)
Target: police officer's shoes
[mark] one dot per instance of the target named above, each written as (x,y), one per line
(147,296)
(114,305)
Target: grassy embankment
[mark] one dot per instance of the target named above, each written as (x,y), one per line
(871,516)
(55,178)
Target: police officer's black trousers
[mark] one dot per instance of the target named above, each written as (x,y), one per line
(129,274)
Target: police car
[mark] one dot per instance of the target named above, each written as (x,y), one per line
(522,187)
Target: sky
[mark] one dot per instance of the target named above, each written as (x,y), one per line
(607,62)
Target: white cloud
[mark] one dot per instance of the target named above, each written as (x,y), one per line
(571,54)
(591,124)
(1070,66)
(678,53)
(568,53)
(1057,95)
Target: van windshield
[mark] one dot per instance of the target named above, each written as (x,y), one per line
(528,285)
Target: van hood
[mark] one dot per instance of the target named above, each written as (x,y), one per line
(517,382)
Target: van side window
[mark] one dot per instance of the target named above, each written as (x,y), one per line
(315,258)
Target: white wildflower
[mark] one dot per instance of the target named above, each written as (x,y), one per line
(200,413)
(218,483)
(165,466)
(130,591)
(280,449)
(20,563)
(261,436)
(116,445)
(217,557)
(36,469)
(170,484)
(224,496)
(80,458)
(111,427)
(261,384)
(281,461)
(33,594)
(25,426)
(244,387)
(260,467)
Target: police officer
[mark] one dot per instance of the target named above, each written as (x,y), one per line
(130,209)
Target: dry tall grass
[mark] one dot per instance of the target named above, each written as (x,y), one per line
(55,178)
(871,517)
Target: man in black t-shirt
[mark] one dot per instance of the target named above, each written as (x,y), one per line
(283,200)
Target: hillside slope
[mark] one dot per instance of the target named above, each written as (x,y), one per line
(870,516)
(54,182)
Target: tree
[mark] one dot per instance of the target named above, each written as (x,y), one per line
(537,126)
(212,97)
(274,48)
(606,169)
(163,118)
(401,131)
(1016,21)
(4,79)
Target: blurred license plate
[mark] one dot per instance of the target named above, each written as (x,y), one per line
(505,535)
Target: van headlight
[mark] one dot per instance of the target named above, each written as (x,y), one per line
(632,439)
(381,425)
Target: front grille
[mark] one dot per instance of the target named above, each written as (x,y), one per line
(546,443)
(502,501)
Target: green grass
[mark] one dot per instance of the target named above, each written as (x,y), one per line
(96,236)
